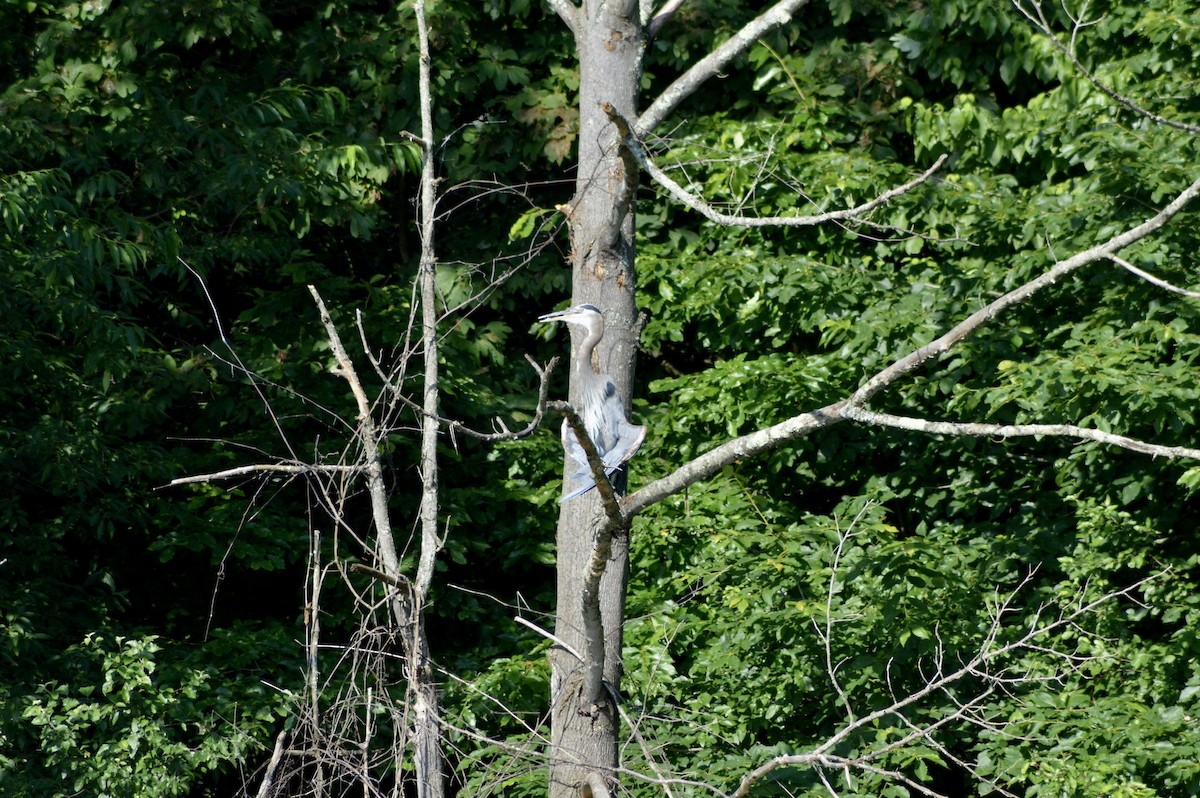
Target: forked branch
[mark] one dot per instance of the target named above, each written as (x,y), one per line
(1032,11)
(368,437)
(991,666)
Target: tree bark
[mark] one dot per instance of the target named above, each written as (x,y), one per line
(610,44)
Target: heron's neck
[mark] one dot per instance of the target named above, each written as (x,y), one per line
(587,348)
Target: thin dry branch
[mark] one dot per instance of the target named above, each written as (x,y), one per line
(568,12)
(826,633)
(268,468)
(455,427)
(728,453)
(705,209)
(990,652)
(713,63)
(1150,278)
(660,18)
(986,665)
(984,315)
(368,437)
(553,638)
(267,406)
(648,754)
(1015,431)
(1037,17)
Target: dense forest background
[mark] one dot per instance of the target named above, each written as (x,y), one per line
(173,176)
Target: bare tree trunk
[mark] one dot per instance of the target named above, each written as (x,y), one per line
(584,724)
(427,755)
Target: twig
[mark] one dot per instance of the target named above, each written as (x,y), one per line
(1038,18)
(278,468)
(1016,431)
(238,359)
(455,427)
(735,220)
(978,666)
(635,148)
(553,638)
(1150,278)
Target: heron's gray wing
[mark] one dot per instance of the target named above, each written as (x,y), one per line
(583,472)
(573,447)
(616,439)
(587,485)
(629,440)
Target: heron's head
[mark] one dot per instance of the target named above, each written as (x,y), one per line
(588,317)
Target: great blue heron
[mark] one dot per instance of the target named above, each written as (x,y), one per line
(602,411)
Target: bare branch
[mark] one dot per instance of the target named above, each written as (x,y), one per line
(369,438)
(456,427)
(660,18)
(266,788)
(398,581)
(730,452)
(808,422)
(238,360)
(826,634)
(1038,18)
(568,12)
(712,64)
(990,651)
(984,664)
(277,468)
(646,752)
(735,220)
(1015,431)
(982,316)
(553,638)
(1150,278)
(596,786)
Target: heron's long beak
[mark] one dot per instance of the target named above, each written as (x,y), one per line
(555,316)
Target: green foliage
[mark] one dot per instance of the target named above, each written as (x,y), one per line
(121,725)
